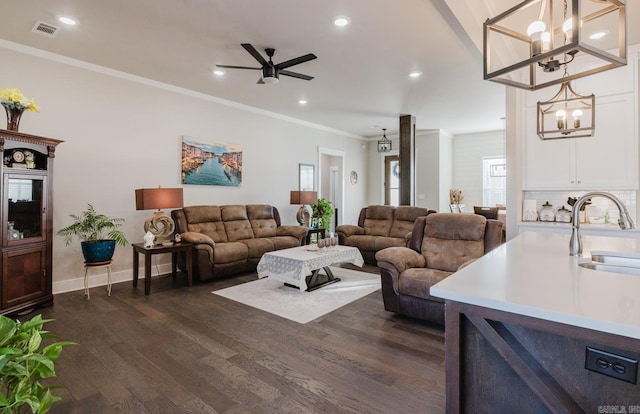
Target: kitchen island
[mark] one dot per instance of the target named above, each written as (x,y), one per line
(521,320)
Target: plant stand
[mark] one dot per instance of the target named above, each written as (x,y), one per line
(98,265)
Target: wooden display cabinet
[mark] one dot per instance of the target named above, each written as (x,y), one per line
(26,212)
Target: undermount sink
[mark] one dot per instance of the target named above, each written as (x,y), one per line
(616,262)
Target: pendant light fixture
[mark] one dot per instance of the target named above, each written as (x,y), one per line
(384,145)
(527,45)
(567,115)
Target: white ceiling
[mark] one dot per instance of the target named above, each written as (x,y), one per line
(361,74)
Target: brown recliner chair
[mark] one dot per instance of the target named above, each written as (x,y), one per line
(440,244)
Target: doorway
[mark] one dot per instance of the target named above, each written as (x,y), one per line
(331,179)
(392,180)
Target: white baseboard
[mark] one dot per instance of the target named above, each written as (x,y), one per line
(98,277)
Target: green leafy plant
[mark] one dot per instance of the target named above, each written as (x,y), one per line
(23,363)
(323,210)
(90,226)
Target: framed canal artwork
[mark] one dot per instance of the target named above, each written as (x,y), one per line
(211,163)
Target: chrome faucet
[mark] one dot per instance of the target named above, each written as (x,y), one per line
(625,222)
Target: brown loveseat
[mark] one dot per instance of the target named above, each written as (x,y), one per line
(380,227)
(440,244)
(231,239)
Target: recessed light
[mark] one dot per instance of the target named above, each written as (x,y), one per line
(415,74)
(67,20)
(598,35)
(302,102)
(218,72)
(341,21)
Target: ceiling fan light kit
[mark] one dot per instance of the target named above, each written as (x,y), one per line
(526,45)
(271,72)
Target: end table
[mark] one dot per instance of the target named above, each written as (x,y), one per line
(317,232)
(174,249)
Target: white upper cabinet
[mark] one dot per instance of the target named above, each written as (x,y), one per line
(549,165)
(609,159)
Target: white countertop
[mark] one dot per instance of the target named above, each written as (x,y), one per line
(533,275)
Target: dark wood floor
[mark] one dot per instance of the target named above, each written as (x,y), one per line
(185,350)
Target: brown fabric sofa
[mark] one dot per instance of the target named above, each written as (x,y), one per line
(231,239)
(380,227)
(440,244)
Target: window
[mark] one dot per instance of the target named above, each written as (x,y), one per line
(494,181)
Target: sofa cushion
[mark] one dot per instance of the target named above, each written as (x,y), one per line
(284,242)
(236,222)
(362,242)
(258,247)
(447,244)
(417,282)
(262,220)
(378,220)
(206,220)
(404,218)
(230,252)
(382,242)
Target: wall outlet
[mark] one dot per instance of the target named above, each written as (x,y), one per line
(612,365)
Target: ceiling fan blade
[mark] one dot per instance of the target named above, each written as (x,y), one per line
(295,75)
(260,81)
(253,52)
(237,67)
(296,61)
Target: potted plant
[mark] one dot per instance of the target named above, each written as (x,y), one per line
(98,234)
(24,362)
(323,211)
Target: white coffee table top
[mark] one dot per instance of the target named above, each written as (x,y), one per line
(293,265)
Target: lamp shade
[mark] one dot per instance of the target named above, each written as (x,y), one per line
(158,198)
(304,197)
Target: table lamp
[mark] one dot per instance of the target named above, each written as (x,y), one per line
(305,212)
(159,224)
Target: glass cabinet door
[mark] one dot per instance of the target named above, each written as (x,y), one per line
(25,206)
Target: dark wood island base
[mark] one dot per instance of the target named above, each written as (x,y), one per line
(502,362)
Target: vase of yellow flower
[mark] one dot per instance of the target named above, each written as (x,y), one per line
(15,103)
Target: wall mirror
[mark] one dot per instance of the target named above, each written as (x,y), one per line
(307,174)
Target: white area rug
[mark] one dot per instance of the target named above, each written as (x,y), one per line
(273,296)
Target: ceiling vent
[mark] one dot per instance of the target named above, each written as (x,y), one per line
(45,29)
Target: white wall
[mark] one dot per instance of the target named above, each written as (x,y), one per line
(123,133)
(433,152)
(375,171)
(429,169)
(468,152)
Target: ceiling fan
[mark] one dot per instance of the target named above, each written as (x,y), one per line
(270,71)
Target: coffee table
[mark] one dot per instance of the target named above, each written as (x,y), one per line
(299,267)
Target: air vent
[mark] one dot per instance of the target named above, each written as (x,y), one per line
(45,29)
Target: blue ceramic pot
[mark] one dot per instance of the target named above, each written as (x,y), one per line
(98,251)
